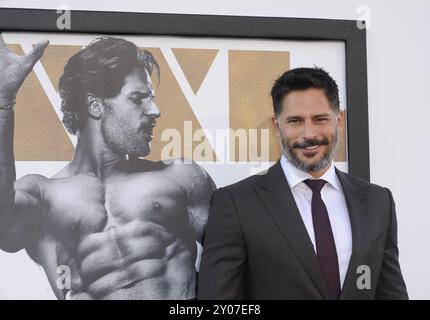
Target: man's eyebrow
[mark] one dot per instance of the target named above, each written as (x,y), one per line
(140,93)
(322,115)
(293,117)
(300,117)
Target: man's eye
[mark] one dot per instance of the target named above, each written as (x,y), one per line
(137,101)
(322,119)
(293,121)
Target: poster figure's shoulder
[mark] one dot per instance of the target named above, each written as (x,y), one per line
(182,166)
(190,174)
(31,183)
(185,171)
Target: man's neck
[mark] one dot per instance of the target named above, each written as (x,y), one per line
(93,157)
(318,174)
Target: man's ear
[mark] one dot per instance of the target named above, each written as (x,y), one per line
(94,106)
(275,123)
(341,120)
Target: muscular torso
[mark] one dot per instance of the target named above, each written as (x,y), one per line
(127,236)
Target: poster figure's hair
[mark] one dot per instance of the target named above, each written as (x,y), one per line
(302,79)
(100,68)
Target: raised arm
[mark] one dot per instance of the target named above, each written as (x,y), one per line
(18,200)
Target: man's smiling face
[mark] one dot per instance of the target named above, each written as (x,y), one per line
(308,129)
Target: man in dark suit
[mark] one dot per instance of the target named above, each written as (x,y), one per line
(303,230)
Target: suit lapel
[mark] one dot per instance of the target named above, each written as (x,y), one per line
(277,198)
(358,210)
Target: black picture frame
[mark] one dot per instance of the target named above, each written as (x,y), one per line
(348,31)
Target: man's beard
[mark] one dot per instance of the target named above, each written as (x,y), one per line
(121,138)
(325,160)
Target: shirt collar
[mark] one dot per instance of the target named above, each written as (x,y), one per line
(295,176)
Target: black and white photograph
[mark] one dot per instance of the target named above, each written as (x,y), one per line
(121,226)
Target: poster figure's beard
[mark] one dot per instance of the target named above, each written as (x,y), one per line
(310,166)
(122,138)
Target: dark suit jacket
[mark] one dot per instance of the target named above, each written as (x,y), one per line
(256,245)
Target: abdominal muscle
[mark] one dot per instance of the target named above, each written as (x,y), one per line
(137,260)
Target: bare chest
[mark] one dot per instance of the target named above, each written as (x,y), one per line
(77,206)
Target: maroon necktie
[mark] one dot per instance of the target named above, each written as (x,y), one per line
(325,246)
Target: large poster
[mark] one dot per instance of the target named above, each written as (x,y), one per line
(133,232)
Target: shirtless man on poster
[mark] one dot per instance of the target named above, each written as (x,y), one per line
(126,227)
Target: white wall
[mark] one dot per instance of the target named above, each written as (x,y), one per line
(398,70)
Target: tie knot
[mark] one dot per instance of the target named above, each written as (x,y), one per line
(315,185)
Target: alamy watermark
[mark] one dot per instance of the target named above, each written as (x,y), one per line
(64,279)
(221,146)
(364,278)
(364,17)
(64,21)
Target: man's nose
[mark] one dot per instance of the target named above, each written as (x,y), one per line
(308,130)
(153,110)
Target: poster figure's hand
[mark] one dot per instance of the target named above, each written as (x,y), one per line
(14,69)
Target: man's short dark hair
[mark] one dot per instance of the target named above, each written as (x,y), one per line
(100,68)
(302,79)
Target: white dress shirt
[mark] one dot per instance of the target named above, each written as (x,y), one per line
(334,200)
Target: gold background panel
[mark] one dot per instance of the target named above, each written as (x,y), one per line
(195,64)
(251,76)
